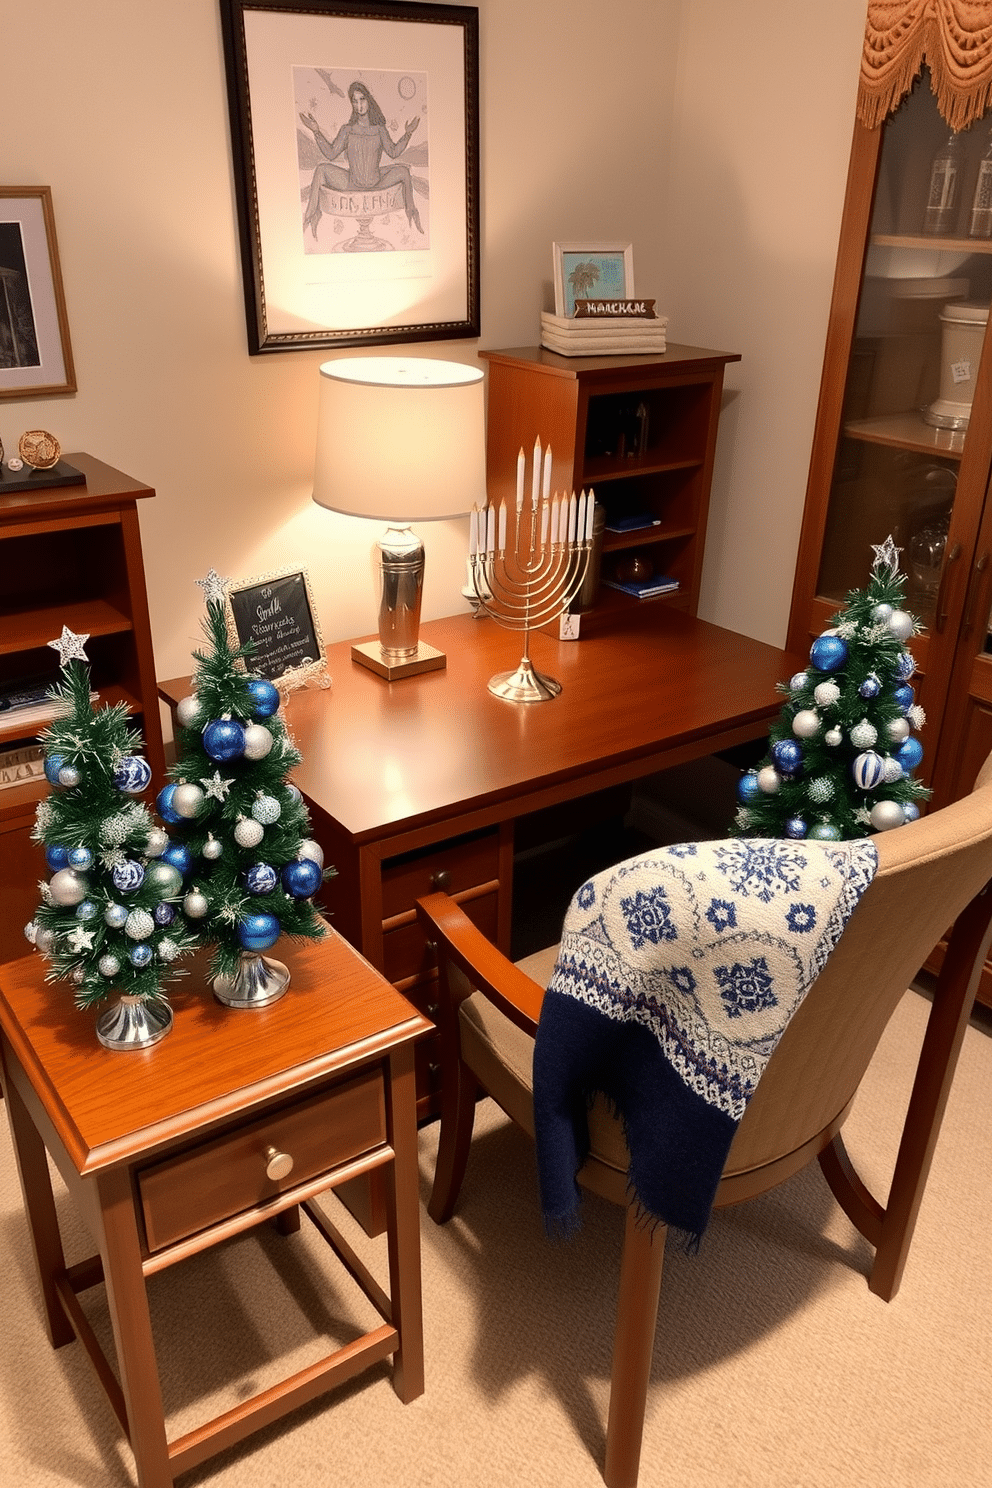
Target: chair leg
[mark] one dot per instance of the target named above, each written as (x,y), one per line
(457,1121)
(633,1345)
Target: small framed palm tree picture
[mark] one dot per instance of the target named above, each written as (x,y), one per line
(592,271)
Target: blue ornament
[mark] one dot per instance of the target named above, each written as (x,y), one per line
(905,666)
(224,739)
(788,756)
(909,753)
(264,697)
(115,916)
(163,914)
(256,932)
(828,653)
(57,857)
(179,856)
(80,858)
(824,832)
(163,802)
(795,827)
(798,681)
(128,876)
(868,770)
(87,910)
(302,877)
(870,687)
(133,775)
(911,811)
(53,764)
(141,954)
(261,878)
(905,696)
(748,788)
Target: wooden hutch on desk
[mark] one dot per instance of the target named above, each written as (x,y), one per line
(69,555)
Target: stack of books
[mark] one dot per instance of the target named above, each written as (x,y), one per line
(645,588)
(603,335)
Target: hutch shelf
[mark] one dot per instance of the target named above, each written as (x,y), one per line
(69,555)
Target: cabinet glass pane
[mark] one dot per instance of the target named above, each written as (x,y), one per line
(922,317)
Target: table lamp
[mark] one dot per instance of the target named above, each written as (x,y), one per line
(401,439)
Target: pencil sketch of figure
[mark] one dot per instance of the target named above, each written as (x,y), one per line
(369,155)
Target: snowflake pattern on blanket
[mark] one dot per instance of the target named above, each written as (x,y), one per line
(701,952)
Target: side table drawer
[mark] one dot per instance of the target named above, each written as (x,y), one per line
(227,1175)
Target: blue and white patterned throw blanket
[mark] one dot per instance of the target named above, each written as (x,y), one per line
(677,974)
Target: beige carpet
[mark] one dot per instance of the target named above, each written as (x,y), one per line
(775,1367)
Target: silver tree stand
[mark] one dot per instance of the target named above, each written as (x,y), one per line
(533,582)
(134,1023)
(258,981)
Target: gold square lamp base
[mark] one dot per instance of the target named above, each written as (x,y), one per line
(369,654)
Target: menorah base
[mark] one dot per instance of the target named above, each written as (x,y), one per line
(524,685)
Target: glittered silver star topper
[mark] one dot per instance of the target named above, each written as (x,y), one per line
(886,556)
(70,646)
(214,587)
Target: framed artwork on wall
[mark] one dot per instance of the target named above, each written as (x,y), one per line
(355,136)
(35,355)
(586,271)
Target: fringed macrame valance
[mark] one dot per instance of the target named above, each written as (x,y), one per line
(954,39)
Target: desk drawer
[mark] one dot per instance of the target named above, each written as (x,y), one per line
(227,1176)
(458,865)
(404,948)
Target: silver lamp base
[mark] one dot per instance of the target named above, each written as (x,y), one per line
(134,1023)
(258,981)
(525,685)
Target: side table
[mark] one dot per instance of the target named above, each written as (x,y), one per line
(235,1118)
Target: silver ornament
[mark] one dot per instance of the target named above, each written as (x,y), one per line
(158,841)
(69,776)
(769,780)
(897,729)
(266,809)
(115,915)
(212,849)
(139,925)
(864,734)
(901,624)
(67,887)
(44,940)
(109,965)
(885,815)
(882,613)
(167,949)
(165,879)
(31,932)
(312,850)
(188,711)
(187,800)
(248,832)
(806,724)
(258,741)
(833,737)
(195,904)
(826,694)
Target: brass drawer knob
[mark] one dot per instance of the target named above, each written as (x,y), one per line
(277,1164)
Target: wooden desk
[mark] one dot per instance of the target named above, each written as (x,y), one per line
(166,1152)
(416,785)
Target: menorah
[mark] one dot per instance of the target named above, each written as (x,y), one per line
(534,579)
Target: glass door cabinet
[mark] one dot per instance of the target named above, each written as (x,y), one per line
(903,439)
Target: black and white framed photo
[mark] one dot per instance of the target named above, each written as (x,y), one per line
(355,134)
(35,356)
(276,612)
(592,271)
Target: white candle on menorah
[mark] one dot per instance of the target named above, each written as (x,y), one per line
(527,567)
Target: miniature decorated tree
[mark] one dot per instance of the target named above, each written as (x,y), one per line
(843,751)
(251,864)
(108,917)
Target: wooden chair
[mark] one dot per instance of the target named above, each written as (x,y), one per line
(931,874)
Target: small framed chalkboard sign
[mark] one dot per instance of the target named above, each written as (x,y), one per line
(276,611)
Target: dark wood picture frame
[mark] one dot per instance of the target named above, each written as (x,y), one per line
(377,242)
(35,354)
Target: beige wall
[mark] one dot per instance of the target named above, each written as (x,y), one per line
(652,126)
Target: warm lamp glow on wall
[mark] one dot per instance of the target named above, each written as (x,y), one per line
(401,439)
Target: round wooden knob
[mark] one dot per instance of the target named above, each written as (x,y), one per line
(277,1164)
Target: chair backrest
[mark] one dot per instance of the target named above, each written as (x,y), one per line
(928,872)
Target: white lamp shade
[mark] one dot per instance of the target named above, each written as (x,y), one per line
(400,438)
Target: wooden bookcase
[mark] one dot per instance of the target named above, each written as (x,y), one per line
(639,430)
(69,555)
